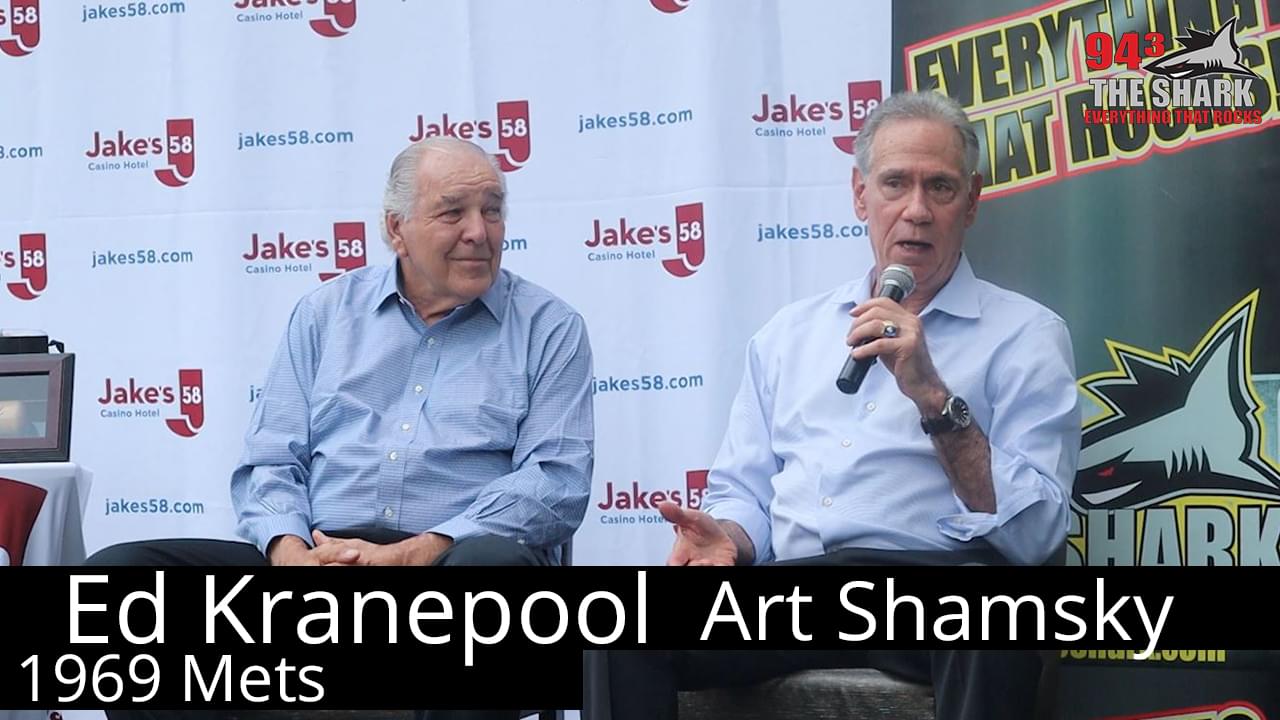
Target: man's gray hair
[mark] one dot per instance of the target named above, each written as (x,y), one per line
(926,105)
(402,182)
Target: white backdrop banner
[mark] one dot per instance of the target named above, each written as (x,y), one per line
(175,175)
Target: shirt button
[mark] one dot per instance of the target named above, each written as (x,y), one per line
(845,443)
(388,512)
(431,341)
(417,389)
(392,455)
(404,427)
(871,407)
(826,502)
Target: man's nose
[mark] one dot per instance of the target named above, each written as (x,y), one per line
(473,227)
(918,211)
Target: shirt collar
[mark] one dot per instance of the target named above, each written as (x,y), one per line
(494,299)
(389,287)
(959,297)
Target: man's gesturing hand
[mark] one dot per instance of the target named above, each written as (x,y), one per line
(700,540)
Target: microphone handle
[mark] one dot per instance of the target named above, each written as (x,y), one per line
(852,374)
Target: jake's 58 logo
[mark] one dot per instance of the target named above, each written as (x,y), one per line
(512,120)
(31,262)
(864,96)
(181,148)
(670,6)
(293,254)
(622,498)
(695,485)
(634,241)
(190,404)
(20,27)
(124,152)
(793,116)
(134,400)
(349,246)
(691,245)
(339,18)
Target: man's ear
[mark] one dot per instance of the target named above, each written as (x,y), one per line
(975,189)
(395,232)
(859,192)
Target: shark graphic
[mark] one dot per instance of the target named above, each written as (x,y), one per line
(1203,54)
(1175,424)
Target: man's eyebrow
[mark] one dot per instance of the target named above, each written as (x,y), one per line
(899,172)
(458,199)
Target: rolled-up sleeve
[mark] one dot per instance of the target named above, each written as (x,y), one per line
(543,500)
(740,482)
(269,485)
(1035,444)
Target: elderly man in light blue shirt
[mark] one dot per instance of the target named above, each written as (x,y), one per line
(436,410)
(439,396)
(960,445)
(805,470)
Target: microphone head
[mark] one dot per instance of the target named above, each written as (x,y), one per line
(898,276)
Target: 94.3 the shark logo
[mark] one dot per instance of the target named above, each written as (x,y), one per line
(1203,53)
(1174,470)
(1204,81)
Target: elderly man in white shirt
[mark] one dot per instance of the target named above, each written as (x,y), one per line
(960,445)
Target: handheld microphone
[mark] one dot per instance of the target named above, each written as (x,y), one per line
(896,282)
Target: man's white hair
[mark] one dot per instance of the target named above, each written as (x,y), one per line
(924,105)
(402,182)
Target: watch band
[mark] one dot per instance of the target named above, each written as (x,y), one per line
(948,420)
(938,425)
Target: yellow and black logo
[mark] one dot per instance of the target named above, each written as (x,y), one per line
(1174,470)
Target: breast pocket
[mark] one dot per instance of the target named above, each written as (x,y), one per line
(482,426)
(478,415)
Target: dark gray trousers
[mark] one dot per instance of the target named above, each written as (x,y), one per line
(968,684)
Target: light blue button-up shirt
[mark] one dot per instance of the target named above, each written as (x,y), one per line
(806,469)
(479,424)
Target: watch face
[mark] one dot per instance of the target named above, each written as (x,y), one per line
(958,411)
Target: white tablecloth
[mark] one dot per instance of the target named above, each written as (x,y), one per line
(41,506)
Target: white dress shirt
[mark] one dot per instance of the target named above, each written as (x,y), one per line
(806,469)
